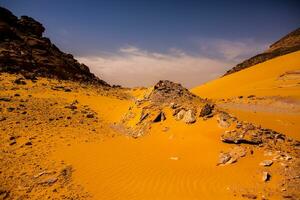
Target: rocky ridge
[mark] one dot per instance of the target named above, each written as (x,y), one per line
(288,44)
(23,49)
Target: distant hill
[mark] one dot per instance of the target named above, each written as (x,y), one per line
(23,49)
(288,44)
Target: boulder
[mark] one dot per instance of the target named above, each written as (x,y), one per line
(206,110)
(189,117)
(238,137)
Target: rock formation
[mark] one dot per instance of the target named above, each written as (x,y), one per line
(23,49)
(288,44)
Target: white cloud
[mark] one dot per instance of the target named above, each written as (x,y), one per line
(131,66)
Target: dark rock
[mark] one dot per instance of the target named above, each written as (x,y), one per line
(90,115)
(249,196)
(160,117)
(10,109)
(206,110)
(20,81)
(29,143)
(6,99)
(266,176)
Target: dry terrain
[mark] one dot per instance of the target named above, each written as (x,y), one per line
(65,140)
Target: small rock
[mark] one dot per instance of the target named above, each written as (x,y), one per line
(29,143)
(266,163)
(266,176)
(249,196)
(224,158)
(10,109)
(189,117)
(5,99)
(90,115)
(206,110)
(20,81)
(160,117)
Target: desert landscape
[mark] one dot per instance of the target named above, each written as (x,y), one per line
(67,134)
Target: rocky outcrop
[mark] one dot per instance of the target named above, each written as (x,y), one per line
(169,92)
(288,44)
(23,49)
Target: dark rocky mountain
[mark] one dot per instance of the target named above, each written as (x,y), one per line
(23,49)
(288,44)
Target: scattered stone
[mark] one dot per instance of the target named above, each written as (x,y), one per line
(206,110)
(2,118)
(90,115)
(160,117)
(17,95)
(143,116)
(20,81)
(12,142)
(67,90)
(10,109)
(266,163)
(72,107)
(266,176)
(232,156)
(6,99)
(249,196)
(224,158)
(29,143)
(237,137)
(251,96)
(223,120)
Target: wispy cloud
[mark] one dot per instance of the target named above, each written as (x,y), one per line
(131,66)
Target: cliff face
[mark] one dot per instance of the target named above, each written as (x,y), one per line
(23,49)
(288,44)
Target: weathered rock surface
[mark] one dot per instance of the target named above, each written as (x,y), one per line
(23,49)
(167,92)
(288,44)
(206,110)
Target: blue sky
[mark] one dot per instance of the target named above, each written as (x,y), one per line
(123,40)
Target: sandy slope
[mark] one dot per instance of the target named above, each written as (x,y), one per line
(262,80)
(275,85)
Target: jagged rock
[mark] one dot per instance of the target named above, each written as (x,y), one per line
(224,158)
(231,156)
(238,137)
(189,117)
(23,49)
(266,163)
(143,116)
(266,176)
(90,115)
(288,44)
(206,110)
(166,91)
(160,117)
